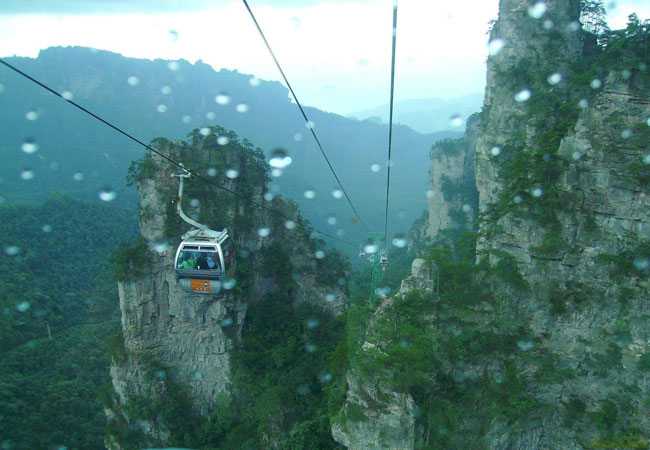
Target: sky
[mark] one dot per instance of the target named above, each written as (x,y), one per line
(335,53)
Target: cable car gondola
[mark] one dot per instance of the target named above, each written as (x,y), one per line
(205,258)
(383,260)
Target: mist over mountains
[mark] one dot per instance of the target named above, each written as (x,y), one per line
(49,145)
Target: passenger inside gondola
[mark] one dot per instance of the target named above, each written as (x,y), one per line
(201,262)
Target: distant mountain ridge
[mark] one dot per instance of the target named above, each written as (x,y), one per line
(148,99)
(428,115)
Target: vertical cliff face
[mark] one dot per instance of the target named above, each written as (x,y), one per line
(544,341)
(177,346)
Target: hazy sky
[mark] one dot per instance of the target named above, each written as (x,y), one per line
(336,53)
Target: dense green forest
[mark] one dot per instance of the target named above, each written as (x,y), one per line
(59,302)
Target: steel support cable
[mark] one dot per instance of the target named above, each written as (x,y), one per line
(190,171)
(304,115)
(390,119)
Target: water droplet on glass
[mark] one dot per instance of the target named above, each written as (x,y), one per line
(340,232)
(107,194)
(399,241)
(536,192)
(310,194)
(30,146)
(467,208)
(279,159)
(161,247)
(626,74)
(54,165)
(523,95)
(27,174)
(210,115)
(574,26)
(525,344)
(326,378)
(212,172)
(646,159)
(375,167)
(264,232)
(205,131)
(496,150)
(268,196)
(319,254)
(310,124)
(456,120)
(23,306)
(627,133)
(166,90)
(194,202)
(222,99)
(330,297)
(582,104)
(311,348)
(312,323)
(47,228)
(332,220)
(173,66)
(242,108)
(67,95)
(227,322)
(187,119)
(254,81)
(537,10)
(554,78)
(431,194)
(576,156)
(370,248)
(132,80)
(548,24)
(160,374)
(276,173)
(197,375)
(78,176)
(337,193)
(232,173)
(596,83)
(495,46)
(223,140)
(31,115)
(642,263)
(518,199)
(12,250)
(162,108)
(290,224)
(229,283)
(297,137)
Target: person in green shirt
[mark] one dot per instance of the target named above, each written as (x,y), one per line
(189,263)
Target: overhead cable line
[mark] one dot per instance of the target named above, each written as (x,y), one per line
(390,119)
(304,115)
(190,171)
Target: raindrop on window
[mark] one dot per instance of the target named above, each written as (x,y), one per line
(230,283)
(467,208)
(12,250)
(548,24)
(276,173)
(290,224)
(332,220)
(518,199)
(525,344)
(574,26)
(254,81)
(78,176)
(205,131)
(330,297)
(210,115)
(162,108)
(375,167)
(173,34)
(67,95)
(310,194)
(54,165)
(456,120)
(496,150)
(554,78)
(173,66)
(27,174)
(582,104)
(29,146)
(596,83)
(226,322)
(310,124)
(340,232)
(107,194)
(626,74)
(232,173)
(431,194)
(627,133)
(319,254)
(523,95)
(223,140)
(576,156)
(268,196)
(536,192)
(31,115)
(166,90)
(399,241)
(47,228)
(297,137)
(279,159)
(312,323)
(222,99)
(194,202)
(642,263)
(242,108)
(337,193)
(187,119)
(132,80)
(23,306)
(370,248)
(537,10)
(161,247)
(311,348)
(495,46)
(212,172)
(264,231)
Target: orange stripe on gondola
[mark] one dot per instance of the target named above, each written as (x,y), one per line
(200,285)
